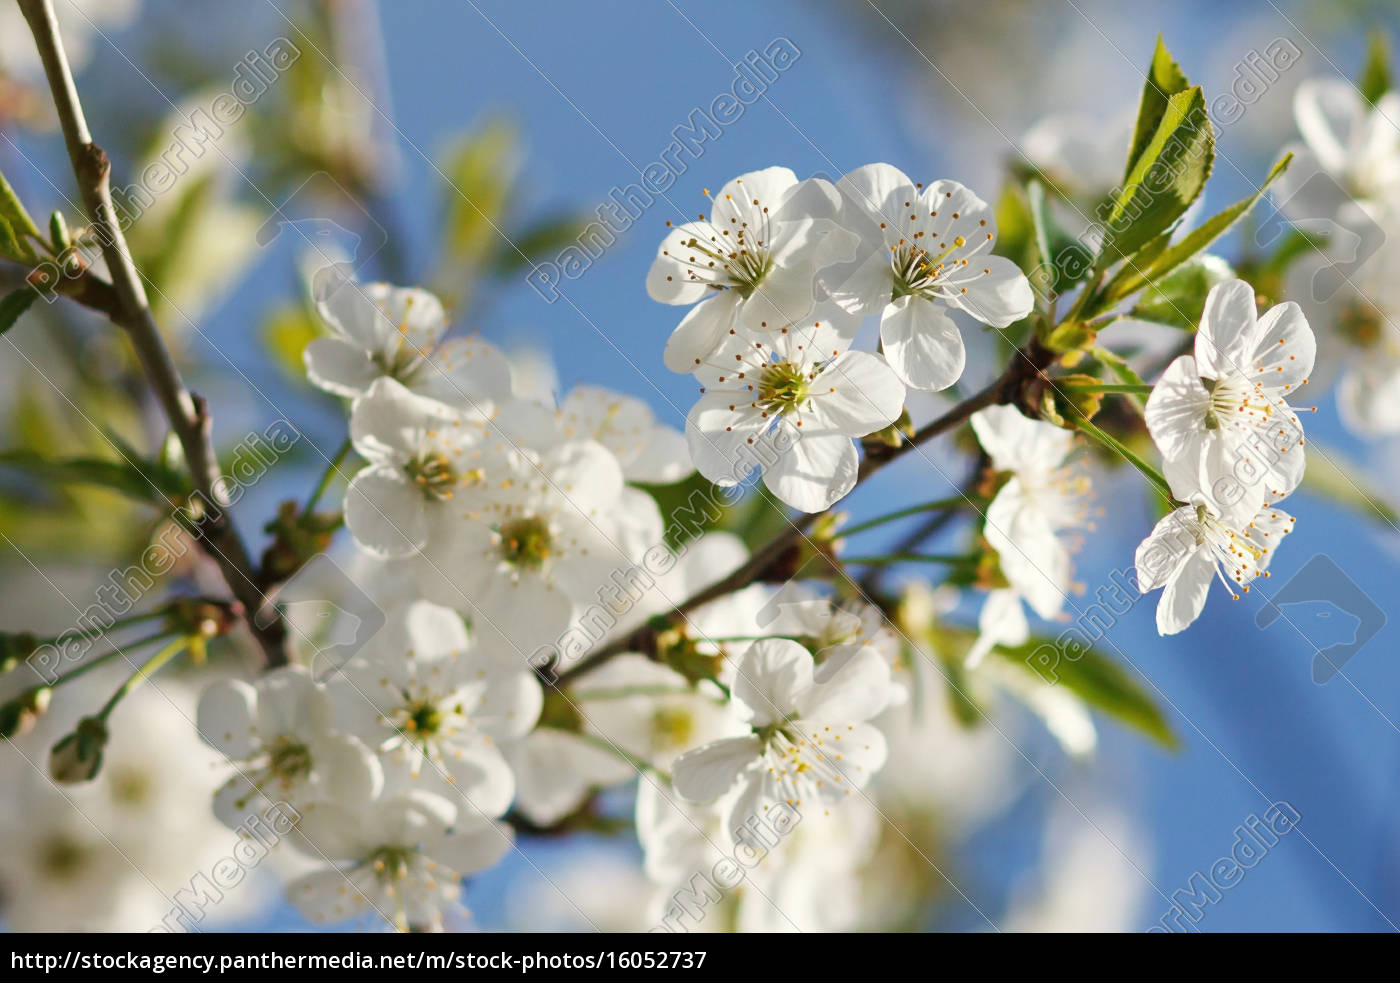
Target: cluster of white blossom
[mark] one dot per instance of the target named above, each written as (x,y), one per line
(1343,190)
(492,525)
(781,275)
(496,525)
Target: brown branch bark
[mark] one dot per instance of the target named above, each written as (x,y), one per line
(127,306)
(1028,363)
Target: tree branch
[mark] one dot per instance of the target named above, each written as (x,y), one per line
(188,416)
(1026,364)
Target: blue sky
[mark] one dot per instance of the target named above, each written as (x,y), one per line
(596,90)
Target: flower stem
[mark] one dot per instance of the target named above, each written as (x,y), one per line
(332,469)
(129,308)
(148,669)
(105,657)
(1107,387)
(871,561)
(1118,447)
(937,505)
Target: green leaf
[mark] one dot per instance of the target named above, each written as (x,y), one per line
(1134,275)
(12,211)
(13,304)
(1164,80)
(1331,476)
(1179,297)
(12,247)
(480,171)
(1116,364)
(1097,680)
(1040,224)
(1169,175)
(1375,74)
(539,241)
(144,481)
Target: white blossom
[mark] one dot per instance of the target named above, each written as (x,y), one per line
(436,708)
(790,403)
(926,251)
(1221,417)
(753,264)
(810,743)
(378,330)
(399,858)
(279,732)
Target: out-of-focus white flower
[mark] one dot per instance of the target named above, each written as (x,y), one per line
(1090,879)
(648,451)
(1359,327)
(436,708)
(78,21)
(380,330)
(107,855)
(650,711)
(1345,137)
(279,733)
(1039,502)
(556,770)
(399,857)
(1002,622)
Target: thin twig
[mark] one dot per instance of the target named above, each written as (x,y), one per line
(1026,364)
(187,414)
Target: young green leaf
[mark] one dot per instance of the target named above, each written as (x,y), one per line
(1164,80)
(1169,175)
(1097,680)
(13,304)
(12,211)
(1179,297)
(1375,78)
(1137,273)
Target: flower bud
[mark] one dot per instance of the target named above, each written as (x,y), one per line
(15,647)
(1062,404)
(18,715)
(78,757)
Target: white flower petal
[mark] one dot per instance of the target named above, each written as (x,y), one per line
(996,292)
(720,431)
(384,512)
(1284,355)
(702,331)
(467,372)
(226,718)
(709,771)
(770,677)
(857,394)
(1184,595)
(1229,324)
(814,473)
(339,367)
(326,897)
(850,687)
(475,847)
(922,343)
